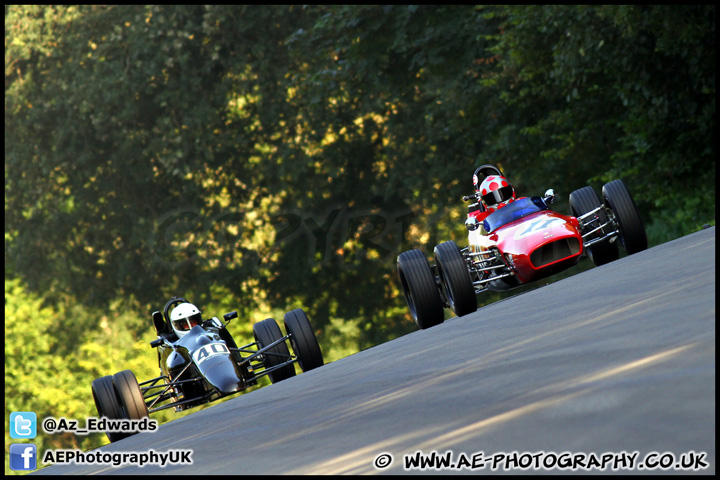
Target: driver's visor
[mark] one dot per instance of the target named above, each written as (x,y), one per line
(496,196)
(185,324)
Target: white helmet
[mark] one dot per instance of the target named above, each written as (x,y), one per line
(184,317)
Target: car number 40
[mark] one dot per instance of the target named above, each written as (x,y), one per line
(210,350)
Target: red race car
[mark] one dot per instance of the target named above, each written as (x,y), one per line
(521,242)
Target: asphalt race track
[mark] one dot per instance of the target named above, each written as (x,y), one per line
(620,358)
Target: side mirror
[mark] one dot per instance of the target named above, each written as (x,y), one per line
(549,196)
(230,316)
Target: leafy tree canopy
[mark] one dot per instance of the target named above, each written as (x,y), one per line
(263,158)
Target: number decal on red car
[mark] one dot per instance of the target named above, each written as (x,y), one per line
(537,226)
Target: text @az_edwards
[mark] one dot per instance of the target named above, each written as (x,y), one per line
(103,424)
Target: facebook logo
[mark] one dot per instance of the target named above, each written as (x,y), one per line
(23,425)
(23,456)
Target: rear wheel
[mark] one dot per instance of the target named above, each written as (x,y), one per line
(107,403)
(303,340)
(581,202)
(455,278)
(267,332)
(421,292)
(632,230)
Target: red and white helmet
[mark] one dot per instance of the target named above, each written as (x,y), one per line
(495,192)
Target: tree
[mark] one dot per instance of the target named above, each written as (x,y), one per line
(118,186)
(603,92)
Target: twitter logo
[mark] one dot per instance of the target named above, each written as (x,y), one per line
(23,425)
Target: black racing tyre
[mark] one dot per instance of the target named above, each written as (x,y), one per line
(107,403)
(581,202)
(266,332)
(632,230)
(455,278)
(130,396)
(303,340)
(421,292)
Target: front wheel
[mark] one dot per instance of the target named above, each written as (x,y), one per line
(107,403)
(455,278)
(421,292)
(267,332)
(130,395)
(632,230)
(583,201)
(303,340)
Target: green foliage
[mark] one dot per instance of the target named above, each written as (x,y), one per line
(261,159)
(49,371)
(615,92)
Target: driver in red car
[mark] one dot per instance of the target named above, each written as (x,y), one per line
(493,193)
